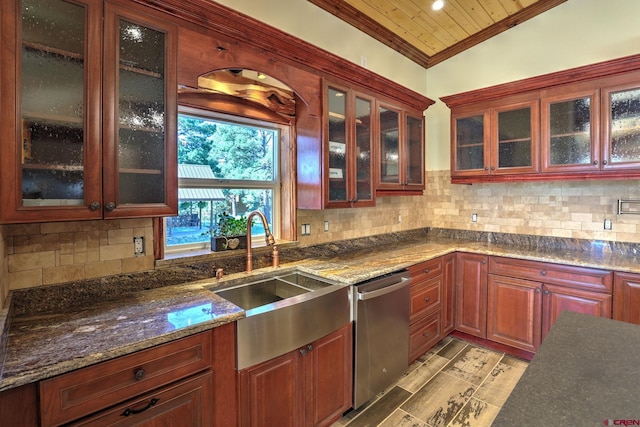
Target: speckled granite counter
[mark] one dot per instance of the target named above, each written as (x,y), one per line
(586,372)
(127,317)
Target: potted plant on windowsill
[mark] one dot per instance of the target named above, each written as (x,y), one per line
(229,233)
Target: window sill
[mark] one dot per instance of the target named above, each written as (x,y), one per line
(200,255)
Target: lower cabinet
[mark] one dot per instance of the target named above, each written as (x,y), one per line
(185,383)
(471,294)
(626,297)
(521,311)
(431,305)
(311,386)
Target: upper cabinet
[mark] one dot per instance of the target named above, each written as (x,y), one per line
(348,126)
(496,138)
(86,136)
(556,126)
(401,150)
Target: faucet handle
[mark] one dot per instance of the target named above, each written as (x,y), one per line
(275,257)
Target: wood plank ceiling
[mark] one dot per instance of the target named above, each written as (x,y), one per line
(427,36)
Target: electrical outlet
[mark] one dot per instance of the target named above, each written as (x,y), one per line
(399,218)
(326,225)
(607,224)
(138,245)
(306,229)
(474,217)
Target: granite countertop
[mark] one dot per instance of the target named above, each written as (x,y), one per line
(586,373)
(43,344)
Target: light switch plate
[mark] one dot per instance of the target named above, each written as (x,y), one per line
(607,224)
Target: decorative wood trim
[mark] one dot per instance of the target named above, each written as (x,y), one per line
(242,28)
(572,75)
(354,17)
(531,177)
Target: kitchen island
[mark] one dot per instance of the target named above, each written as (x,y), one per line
(586,373)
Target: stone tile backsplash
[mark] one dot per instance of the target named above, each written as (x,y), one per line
(50,253)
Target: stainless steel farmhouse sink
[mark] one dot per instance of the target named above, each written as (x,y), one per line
(285,311)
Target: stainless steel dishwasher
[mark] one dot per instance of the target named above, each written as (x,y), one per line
(381,315)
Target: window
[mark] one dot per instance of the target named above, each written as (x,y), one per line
(225,167)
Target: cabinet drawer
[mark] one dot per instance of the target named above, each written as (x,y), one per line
(425,298)
(183,404)
(426,270)
(557,274)
(423,335)
(82,392)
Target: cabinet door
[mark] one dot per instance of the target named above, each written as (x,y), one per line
(424,334)
(390,147)
(514,140)
(621,132)
(337,137)
(271,393)
(557,299)
(51,109)
(363,150)
(329,391)
(184,404)
(448,294)
(140,90)
(470,139)
(514,312)
(626,297)
(570,129)
(414,152)
(471,294)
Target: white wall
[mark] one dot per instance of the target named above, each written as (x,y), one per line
(575,33)
(318,27)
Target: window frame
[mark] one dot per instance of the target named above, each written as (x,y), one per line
(284,164)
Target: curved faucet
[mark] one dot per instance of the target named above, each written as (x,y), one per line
(268,238)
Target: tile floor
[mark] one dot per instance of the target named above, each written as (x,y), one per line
(454,384)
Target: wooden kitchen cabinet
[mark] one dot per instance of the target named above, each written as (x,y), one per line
(306,387)
(88,115)
(18,406)
(431,304)
(496,138)
(400,151)
(626,297)
(514,315)
(471,294)
(526,297)
(586,126)
(349,127)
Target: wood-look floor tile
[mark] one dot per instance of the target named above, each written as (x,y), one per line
(439,400)
(498,385)
(475,413)
(451,349)
(473,364)
(400,418)
(423,373)
(380,409)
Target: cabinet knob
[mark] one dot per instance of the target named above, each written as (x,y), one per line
(110,206)
(537,290)
(493,168)
(426,335)
(486,168)
(94,206)
(310,347)
(426,271)
(427,299)
(543,272)
(139,374)
(595,163)
(303,351)
(484,262)
(546,292)
(604,162)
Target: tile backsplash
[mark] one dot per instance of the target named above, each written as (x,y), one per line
(49,253)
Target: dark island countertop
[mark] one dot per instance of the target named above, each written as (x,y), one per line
(586,373)
(43,344)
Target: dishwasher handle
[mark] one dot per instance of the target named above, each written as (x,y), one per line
(404,281)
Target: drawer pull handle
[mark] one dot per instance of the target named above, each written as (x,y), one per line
(427,299)
(129,411)
(426,335)
(426,271)
(139,374)
(543,272)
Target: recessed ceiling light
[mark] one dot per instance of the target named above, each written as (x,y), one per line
(437,5)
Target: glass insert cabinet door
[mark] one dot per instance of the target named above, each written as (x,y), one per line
(569,124)
(140,56)
(621,127)
(414,174)
(59,85)
(364,110)
(337,134)
(471,150)
(389,120)
(515,138)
